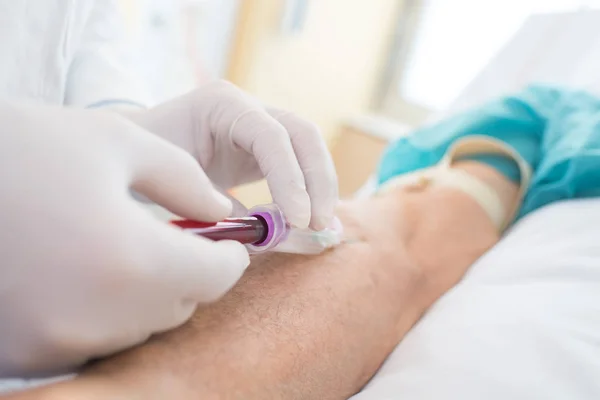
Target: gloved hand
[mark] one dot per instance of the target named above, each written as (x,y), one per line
(84,269)
(236,140)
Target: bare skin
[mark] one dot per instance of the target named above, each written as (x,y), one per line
(319,327)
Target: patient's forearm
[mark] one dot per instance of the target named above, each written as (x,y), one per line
(295,327)
(314,327)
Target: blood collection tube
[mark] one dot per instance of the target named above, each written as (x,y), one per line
(265,228)
(244,230)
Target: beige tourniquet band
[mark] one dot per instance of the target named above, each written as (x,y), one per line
(442,175)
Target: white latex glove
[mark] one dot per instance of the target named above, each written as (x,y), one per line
(84,269)
(236,140)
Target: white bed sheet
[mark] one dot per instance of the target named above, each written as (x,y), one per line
(523,324)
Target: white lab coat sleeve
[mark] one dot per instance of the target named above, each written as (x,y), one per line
(98,75)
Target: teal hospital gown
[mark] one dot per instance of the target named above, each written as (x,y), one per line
(556,131)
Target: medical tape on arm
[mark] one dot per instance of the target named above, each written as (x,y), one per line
(443,174)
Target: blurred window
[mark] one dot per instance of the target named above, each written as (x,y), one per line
(441,45)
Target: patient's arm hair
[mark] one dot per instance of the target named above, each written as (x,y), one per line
(319,327)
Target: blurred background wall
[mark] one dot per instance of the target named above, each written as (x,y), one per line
(365,71)
(323,62)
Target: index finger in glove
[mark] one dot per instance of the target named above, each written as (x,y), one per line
(316,164)
(255,131)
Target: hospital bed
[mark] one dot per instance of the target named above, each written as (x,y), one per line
(524,323)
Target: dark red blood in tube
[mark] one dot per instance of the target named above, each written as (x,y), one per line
(190,224)
(244,230)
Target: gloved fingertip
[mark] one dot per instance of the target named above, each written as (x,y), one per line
(221,208)
(295,205)
(238,253)
(318,223)
(239,210)
(299,220)
(223,200)
(228,260)
(238,260)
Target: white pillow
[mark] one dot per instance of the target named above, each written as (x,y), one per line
(523,324)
